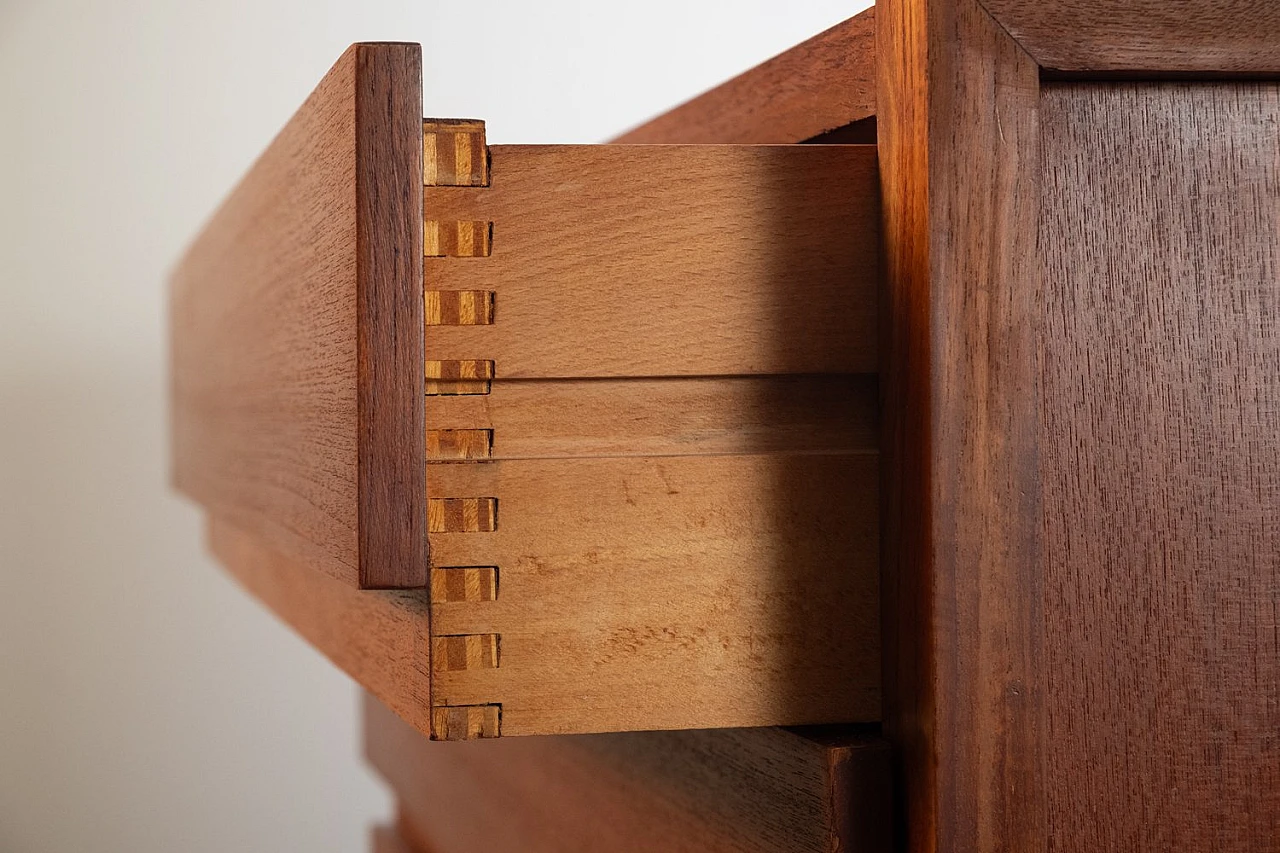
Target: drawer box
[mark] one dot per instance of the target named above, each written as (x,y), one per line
(543,439)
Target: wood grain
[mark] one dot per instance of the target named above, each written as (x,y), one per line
(468,583)
(816,86)
(462,514)
(296,323)
(681,592)
(959,163)
(456,445)
(1161,466)
(726,791)
(443,238)
(459,307)
(459,652)
(714,261)
(381,638)
(454,153)
(1146,36)
(457,377)
(659,417)
(708,624)
(466,722)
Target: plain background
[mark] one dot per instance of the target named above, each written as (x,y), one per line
(146,703)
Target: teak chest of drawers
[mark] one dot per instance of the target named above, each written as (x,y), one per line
(968,438)
(612,408)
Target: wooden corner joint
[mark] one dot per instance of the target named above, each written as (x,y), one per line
(458,378)
(462,652)
(462,515)
(466,722)
(454,154)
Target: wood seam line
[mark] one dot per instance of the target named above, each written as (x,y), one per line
(462,515)
(466,722)
(459,377)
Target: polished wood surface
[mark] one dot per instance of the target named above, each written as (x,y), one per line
(819,85)
(1160,466)
(1132,37)
(1078,446)
(653,261)
(726,791)
(960,167)
(297,321)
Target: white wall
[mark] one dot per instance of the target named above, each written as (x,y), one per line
(146,704)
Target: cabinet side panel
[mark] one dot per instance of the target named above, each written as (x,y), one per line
(1161,462)
(821,84)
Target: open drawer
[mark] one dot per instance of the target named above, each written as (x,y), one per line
(543,439)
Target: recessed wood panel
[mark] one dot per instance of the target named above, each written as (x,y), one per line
(1161,466)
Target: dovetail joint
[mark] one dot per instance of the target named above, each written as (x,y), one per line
(454,153)
(464,583)
(462,515)
(466,722)
(459,307)
(461,652)
(457,239)
(459,445)
(446,378)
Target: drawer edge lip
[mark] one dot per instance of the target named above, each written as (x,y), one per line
(391,321)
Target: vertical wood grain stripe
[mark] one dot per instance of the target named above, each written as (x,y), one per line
(466,722)
(465,239)
(468,583)
(462,515)
(459,307)
(462,157)
(452,445)
(458,377)
(464,651)
(430,166)
(454,153)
